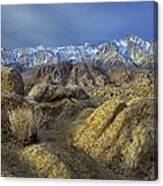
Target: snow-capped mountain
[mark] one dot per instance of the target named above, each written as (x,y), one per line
(130,51)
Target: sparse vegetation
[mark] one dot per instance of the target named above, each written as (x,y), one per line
(23,125)
(102,131)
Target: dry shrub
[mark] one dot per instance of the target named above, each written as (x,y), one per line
(23,125)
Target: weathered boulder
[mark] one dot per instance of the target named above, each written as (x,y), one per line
(11,81)
(122,136)
(43,162)
(49,161)
(43,92)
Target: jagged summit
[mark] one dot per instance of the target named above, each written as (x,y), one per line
(130,51)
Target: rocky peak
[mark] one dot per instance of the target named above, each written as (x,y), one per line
(130,51)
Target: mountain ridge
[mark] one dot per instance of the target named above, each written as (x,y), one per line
(128,51)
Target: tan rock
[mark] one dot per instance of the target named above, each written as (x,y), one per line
(43,92)
(11,81)
(45,162)
(122,136)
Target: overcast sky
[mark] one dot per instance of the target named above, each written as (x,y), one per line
(63,24)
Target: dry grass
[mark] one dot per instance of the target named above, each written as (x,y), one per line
(23,125)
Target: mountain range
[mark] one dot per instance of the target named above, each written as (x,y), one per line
(129,51)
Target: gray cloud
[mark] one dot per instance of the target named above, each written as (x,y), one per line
(62,24)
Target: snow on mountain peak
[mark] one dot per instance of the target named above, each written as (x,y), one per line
(128,50)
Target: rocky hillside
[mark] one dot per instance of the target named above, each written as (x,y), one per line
(66,74)
(98,83)
(34,133)
(121,135)
(80,120)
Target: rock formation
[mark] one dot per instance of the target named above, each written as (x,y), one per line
(11,81)
(122,136)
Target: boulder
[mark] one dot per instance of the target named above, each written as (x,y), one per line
(121,135)
(43,92)
(45,160)
(11,81)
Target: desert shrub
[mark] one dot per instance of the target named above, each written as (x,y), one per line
(23,125)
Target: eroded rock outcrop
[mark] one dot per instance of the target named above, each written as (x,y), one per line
(65,73)
(11,81)
(122,136)
(86,75)
(19,112)
(43,92)
(45,160)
